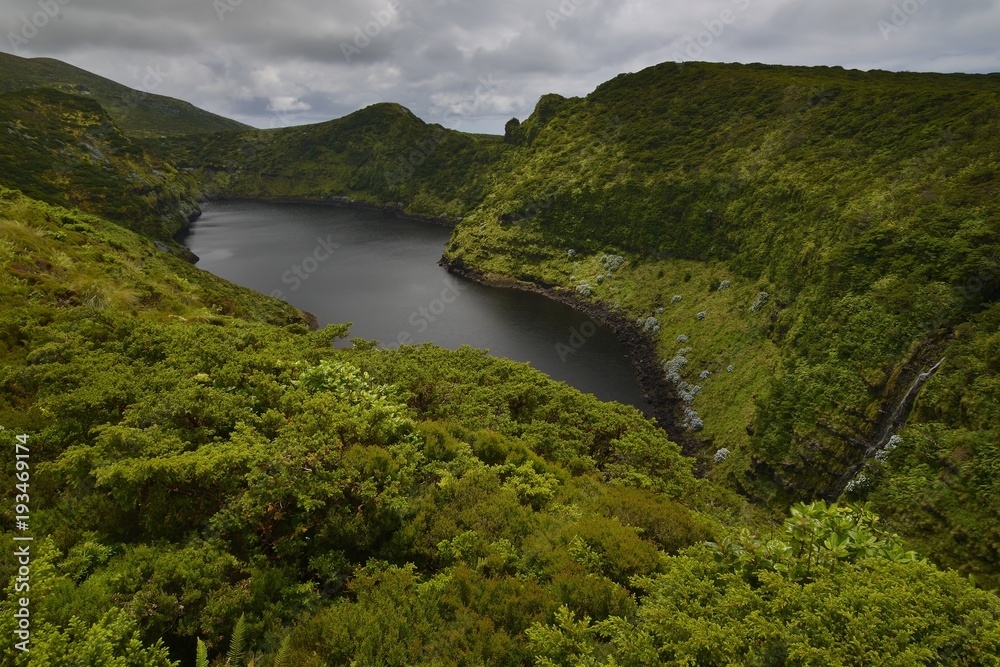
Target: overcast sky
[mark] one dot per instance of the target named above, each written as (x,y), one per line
(471,64)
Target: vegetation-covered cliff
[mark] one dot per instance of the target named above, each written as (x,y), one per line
(807,242)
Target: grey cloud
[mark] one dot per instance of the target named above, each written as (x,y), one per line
(271,62)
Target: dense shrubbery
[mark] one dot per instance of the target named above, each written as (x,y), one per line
(210,485)
(832,590)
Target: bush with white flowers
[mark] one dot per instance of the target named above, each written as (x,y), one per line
(730,368)
(584,289)
(705,375)
(682,339)
(883,454)
(677,298)
(612,262)
(859,482)
(721,455)
(687,391)
(650,324)
(723,285)
(676,364)
(692,421)
(702,315)
(762,299)
(571,254)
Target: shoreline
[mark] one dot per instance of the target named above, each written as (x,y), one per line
(641,346)
(341,202)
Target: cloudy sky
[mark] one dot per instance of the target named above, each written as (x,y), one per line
(471,64)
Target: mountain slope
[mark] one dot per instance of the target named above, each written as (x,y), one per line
(137,113)
(381,155)
(66,150)
(836,229)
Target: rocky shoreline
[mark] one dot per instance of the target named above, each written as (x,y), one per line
(640,344)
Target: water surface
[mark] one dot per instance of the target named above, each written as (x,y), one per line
(380,272)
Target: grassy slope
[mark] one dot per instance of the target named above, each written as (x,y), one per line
(137,113)
(66,150)
(864,204)
(55,260)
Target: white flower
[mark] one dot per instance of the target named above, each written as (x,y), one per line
(762,298)
(612,262)
(692,421)
(675,364)
(859,482)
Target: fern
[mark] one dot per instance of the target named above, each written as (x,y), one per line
(202,659)
(283,657)
(236,650)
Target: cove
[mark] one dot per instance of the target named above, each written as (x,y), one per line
(380,272)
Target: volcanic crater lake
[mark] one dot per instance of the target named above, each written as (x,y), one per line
(380,272)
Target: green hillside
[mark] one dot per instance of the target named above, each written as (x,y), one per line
(839,231)
(381,155)
(211,477)
(137,113)
(64,149)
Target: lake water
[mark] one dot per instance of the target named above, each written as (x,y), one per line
(380,272)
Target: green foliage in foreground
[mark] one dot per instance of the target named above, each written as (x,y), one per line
(228,487)
(833,589)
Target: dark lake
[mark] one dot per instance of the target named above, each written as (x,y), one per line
(380,272)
